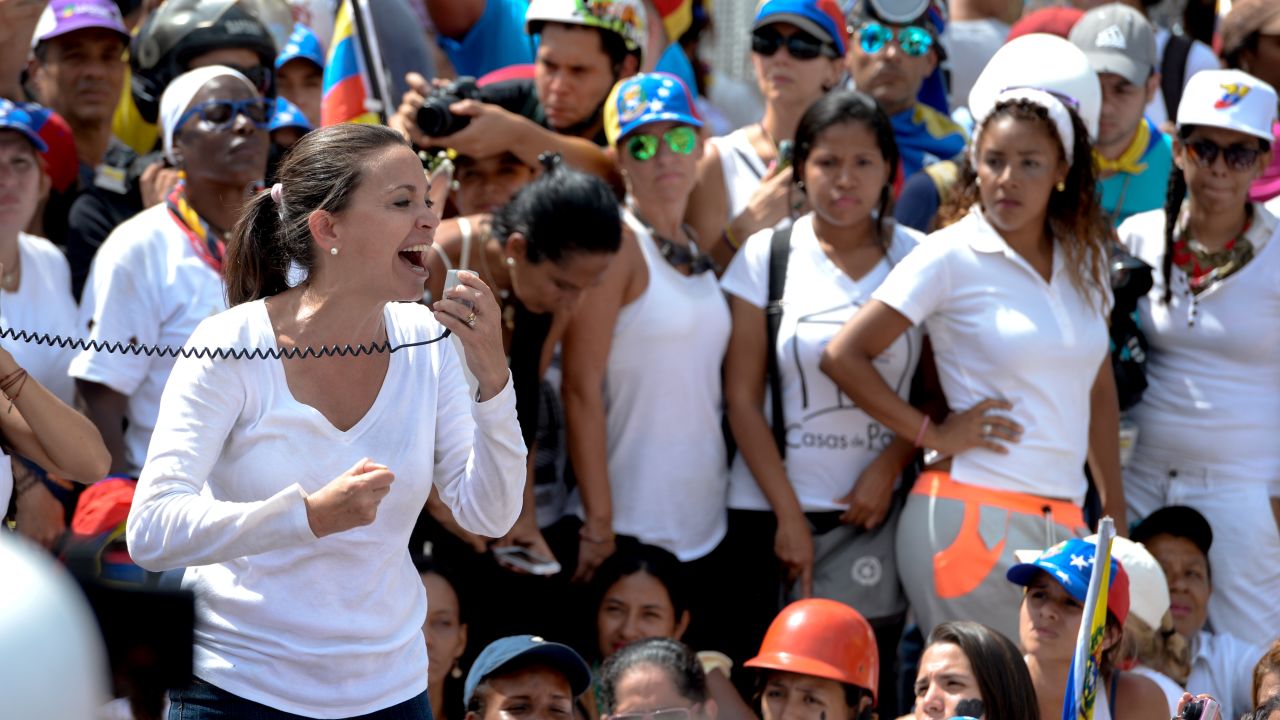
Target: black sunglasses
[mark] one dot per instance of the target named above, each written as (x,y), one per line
(800,45)
(1237,156)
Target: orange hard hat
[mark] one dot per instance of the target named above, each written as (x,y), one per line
(822,638)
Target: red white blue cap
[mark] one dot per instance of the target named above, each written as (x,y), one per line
(15,117)
(648,98)
(1070,563)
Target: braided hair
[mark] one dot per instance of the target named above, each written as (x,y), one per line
(1174,194)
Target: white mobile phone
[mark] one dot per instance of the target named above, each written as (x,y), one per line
(451,281)
(521,558)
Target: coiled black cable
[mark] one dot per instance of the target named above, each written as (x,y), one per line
(121,348)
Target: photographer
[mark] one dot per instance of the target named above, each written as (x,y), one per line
(581,54)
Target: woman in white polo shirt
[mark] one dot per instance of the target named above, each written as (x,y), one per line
(1207,421)
(1015,300)
(807,516)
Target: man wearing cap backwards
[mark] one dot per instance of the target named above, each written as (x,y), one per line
(1133,156)
(584,48)
(1251,42)
(78,69)
(1179,538)
(894,57)
(300,72)
(527,677)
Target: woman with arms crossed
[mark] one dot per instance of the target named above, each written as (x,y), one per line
(267,478)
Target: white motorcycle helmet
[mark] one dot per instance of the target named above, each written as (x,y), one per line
(53,665)
(1045,62)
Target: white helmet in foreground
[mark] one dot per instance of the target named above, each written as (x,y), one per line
(1045,62)
(52,662)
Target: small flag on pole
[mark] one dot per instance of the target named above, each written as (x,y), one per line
(1082,682)
(346,77)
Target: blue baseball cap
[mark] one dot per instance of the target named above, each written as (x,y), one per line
(287,115)
(821,18)
(1071,564)
(302,44)
(15,117)
(648,98)
(504,651)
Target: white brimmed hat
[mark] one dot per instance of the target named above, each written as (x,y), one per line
(1148,588)
(1229,99)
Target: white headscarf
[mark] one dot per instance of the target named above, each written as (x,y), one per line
(177,98)
(1058,115)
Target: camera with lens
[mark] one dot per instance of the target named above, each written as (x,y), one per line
(1201,709)
(435,119)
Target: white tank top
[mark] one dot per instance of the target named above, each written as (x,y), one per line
(742,167)
(663,405)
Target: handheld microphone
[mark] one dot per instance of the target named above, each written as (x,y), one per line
(969,709)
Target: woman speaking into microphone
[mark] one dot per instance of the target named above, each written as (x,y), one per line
(288,487)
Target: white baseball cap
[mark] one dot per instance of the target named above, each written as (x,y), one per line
(1229,99)
(1148,588)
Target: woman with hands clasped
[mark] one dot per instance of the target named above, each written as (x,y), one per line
(288,488)
(1015,300)
(809,508)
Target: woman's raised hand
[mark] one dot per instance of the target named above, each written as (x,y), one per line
(350,500)
(472,313)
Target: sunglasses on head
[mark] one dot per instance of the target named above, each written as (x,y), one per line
(800,45)
(914,40)
(680,140)
(1237,156)
(221,114)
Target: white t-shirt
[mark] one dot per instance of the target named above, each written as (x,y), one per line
(830,440)
(742,168)
(1213,394)
(1273,206)
(1172,690)
(146,285)
(998,330)
(328,627)
(1201,57)
(1223,668)
(43,304)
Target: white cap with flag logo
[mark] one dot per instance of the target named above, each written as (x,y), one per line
(1229,99)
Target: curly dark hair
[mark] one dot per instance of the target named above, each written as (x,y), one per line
(1074,216)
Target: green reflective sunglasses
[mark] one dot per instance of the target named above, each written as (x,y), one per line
(681,140)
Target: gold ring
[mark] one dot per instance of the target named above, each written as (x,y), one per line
(471,319)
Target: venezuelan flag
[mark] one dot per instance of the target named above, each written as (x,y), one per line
(1082,682)
(677,16)
(346,82)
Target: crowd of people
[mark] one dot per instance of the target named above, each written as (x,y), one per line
(589,381)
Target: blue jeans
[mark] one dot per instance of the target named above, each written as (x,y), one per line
(203,701)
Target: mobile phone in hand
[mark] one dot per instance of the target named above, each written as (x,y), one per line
(450,282)
(522,558)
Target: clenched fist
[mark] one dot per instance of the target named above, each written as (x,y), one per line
(351,500)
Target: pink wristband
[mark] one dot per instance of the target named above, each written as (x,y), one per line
(920,435)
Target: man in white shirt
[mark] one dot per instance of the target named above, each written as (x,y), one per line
(1222,666)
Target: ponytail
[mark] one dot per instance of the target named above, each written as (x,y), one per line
(321,172)
(250,269)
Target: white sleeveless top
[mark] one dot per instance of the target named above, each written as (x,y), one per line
(742,167)
(663,403)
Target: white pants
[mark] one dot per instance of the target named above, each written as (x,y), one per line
(1245,555)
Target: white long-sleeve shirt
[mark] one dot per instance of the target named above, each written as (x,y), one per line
(324,627)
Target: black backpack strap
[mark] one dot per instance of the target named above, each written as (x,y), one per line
(779,253)
(1173,71)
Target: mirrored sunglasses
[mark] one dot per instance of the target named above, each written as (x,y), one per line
(914,40)
(221,114)
(679,140)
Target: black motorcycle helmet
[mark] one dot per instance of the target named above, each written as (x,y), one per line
(183,29)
